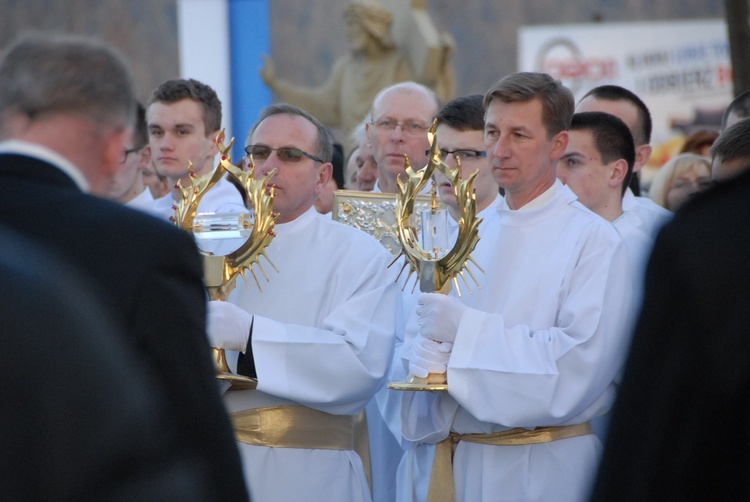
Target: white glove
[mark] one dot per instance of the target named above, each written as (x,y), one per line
(429,356)
(228,326)
(439,316)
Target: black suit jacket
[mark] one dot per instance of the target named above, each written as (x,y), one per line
(147,275)
(80,418)
(679,429)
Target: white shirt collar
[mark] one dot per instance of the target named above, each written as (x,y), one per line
(543,198)
(28,149)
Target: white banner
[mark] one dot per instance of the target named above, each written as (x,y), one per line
(680,69)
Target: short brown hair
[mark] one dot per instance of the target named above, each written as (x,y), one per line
(557,100)
(172,91)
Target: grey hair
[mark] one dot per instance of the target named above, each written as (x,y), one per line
(408,87)
(43,74)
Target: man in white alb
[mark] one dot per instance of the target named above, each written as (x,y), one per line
(318,337)
(460,135)
(629,108)
(532,356)
(596,166)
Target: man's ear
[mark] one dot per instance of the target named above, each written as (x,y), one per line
(559,145)
(145,159)
(214,148)
(619,172)
(325,171)
(642,154)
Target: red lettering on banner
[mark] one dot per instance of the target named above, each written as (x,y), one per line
(575,68)
(724,75)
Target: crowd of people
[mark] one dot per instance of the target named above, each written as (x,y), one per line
(603,356)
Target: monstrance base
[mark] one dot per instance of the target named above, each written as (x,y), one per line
(238,382)
(413,383)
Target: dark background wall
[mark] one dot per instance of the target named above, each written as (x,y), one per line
(308,36)
(144,30)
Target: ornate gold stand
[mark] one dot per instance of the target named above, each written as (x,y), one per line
(436,274)
(220,272)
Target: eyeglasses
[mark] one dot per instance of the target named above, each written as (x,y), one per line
(125,153)
(467,155)
(285,153)
(408,127)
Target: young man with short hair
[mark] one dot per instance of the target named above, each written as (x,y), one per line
(629,108)
(184,118)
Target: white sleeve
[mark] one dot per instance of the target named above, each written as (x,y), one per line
(338,367)
(520,377)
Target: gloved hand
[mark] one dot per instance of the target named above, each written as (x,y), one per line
(429,356)
(228,326)
(439,316)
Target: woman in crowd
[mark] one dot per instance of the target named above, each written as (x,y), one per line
(679,179)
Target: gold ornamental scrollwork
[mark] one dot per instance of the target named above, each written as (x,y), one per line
(434,273)
(221,271)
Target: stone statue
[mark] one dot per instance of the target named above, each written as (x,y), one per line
(375,62)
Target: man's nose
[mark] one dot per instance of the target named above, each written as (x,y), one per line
(499,148)
(450,160)
(398,133)
(166,142)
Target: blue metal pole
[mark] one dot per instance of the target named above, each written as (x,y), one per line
(249,38)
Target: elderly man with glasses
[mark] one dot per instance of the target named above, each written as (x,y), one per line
(460,134)
(399,119)
(319,337)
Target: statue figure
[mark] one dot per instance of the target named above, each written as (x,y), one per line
(375,62)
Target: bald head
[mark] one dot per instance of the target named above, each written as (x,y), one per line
(405,89)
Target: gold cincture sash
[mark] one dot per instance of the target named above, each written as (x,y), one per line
(442,488)
(303,427)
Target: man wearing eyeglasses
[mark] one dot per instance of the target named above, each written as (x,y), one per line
(460,134)
(128,186)
(184,117)
(399,119)
(318,337)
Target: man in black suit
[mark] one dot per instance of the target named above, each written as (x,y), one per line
(80,421)
(66,109)
(680,425)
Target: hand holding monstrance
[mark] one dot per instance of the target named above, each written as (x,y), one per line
(220,272)
(436,270)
